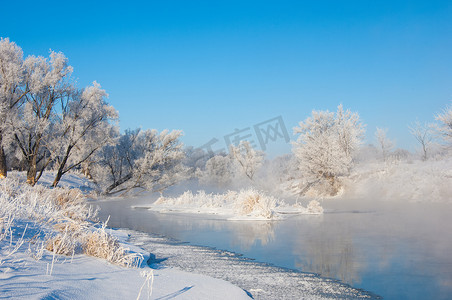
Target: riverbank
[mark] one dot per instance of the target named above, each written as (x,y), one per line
(84,277)
(45,253)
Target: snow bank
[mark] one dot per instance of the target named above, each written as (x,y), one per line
(83,277)
(247,204)
(44,236)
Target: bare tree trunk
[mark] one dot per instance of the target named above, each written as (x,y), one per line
(57,177)
(61,167)
(3,168)
(32,171)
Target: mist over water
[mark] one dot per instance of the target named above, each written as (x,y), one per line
(391,248)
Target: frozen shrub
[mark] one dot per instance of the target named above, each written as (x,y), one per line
(72,204)
(246,202)
(314,207)
(255,203)
(63,243)
(103,245)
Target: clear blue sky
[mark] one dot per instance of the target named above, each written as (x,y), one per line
(209,67)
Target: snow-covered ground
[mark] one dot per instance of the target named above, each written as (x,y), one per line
(85,277)
(30,219)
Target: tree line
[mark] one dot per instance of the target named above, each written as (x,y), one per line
(47,122)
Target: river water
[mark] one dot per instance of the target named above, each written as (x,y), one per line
(397,251)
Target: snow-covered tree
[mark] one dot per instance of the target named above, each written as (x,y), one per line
(248,159)
(424,134)
(11,93)
(219,171)
(82,128)
(350,131)
(325,147)
(196,159)
(142,159)
(384,143)
(445,127)
(47,83)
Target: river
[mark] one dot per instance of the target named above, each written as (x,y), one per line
(395,250)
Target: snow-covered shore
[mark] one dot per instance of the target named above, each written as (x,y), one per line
(30,270)
(85,277)
(192,272)
(172,270)
(50,250)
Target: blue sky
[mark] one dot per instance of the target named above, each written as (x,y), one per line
(210,67)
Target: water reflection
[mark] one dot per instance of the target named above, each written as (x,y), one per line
(333,255)
(396,252)
(247,234)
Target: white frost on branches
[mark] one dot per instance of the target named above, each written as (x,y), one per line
(445,128)
(11,93)
(385,144)
(142,159)
(83,127)
(424,134)
(248,159)
(46,83)
(219,170)
(325,147)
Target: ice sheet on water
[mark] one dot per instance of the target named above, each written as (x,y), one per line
(262,280)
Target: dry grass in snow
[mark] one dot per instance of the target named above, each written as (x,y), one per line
(64,222)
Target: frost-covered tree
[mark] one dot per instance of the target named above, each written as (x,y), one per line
(219,171)
(248,159)
(445,127)
(47,83)
(350,131)
(142,159)
(326,145)
(195,159)
(424,134)
(384,143)
(82,128)
(12,92)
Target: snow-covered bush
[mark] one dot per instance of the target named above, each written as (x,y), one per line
(314,207)
(103,245)
(65,243)
(255,203)
(247,202)
(201,199)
